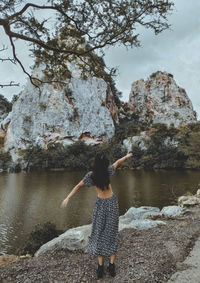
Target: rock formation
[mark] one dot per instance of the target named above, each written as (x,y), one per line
(79,110)
(141,218)
(189,200)
(161,100)
(85,109)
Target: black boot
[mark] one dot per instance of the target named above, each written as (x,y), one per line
(111,269)
(100,271)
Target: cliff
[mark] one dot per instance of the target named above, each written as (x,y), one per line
(160,100)
(79,110)
(85,109)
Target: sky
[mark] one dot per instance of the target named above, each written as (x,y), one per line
(176,51)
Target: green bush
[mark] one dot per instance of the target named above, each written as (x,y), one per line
(78,156)
(190,147)
(5,158)
(128,129)
(38,237)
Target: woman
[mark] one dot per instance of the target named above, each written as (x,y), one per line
(103,240)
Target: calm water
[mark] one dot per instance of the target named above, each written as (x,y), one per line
(28,199)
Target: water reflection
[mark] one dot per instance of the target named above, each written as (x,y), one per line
(27,199)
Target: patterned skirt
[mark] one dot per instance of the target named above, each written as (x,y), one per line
(103,240)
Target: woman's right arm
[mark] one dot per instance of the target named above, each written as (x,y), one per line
(119,161)
(73,192)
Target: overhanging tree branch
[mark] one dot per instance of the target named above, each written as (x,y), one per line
(10,84)
(81,28)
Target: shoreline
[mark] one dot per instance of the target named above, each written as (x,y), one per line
(150,256)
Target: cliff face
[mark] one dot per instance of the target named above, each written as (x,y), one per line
(161,100)
(81,109)
(86,110)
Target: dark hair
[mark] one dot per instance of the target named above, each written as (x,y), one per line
(100,174)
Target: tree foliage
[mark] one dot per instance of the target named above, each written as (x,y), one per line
(81,29)
(77,156)
(189,143)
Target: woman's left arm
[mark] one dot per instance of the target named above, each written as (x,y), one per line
(73,192)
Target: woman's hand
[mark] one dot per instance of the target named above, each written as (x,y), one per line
(129,154)
(64,203)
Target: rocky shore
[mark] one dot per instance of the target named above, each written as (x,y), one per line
(151,255)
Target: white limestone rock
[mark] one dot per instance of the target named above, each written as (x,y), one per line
(143,141)
(77,238)
(80,110)
(172,211)
(73,239)
(138,218)
(188,201)
(161,100)
(142,212)
(140,141)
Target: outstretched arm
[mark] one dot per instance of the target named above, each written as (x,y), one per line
(73,192)
(119,161)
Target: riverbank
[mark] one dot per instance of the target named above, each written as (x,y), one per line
(151,256)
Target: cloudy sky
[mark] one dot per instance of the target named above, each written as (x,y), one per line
(176,51)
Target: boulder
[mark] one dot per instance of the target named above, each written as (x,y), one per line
(188,200)
(77,238)
(172,211)
(141,141)
(140,213)
(140,218)
(73,239)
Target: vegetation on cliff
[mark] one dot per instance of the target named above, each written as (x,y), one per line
(170,147)
(166,147)
(5,159)
(78,156)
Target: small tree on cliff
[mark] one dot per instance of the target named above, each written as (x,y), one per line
(94,24)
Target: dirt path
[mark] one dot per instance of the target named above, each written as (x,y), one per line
(148,256)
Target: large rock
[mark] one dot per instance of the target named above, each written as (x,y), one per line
(79,110)
(72,239)
(140,218)
(188,200)
(77,238)
(141,141)
(171,211)
(161,100)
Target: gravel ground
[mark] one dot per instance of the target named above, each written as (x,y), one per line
(147,256)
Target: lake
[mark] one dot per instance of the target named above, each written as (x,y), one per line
(28,199)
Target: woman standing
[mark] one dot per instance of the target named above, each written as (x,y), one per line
(103,240)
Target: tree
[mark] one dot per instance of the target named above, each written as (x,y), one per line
(82,29)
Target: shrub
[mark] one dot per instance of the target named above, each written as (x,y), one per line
(38,237)
(5,158)
(127,129)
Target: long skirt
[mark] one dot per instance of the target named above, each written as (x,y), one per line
(103,240)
